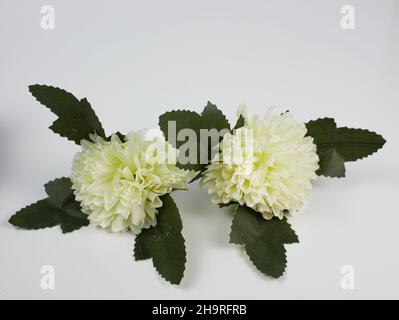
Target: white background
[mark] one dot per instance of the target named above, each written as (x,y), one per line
(134,60)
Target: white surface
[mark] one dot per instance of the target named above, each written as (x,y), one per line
(134,60)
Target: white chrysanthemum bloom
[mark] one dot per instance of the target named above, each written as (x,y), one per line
(267,165)
(119,183)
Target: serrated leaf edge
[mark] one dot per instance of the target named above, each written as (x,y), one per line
(63,136)
(152,259)
(364,130)
(54,180)
(348,128)
(68,232)
(332,177)
(53,87)
(155,267)
(184,266)
(219,110)
(26,207)
(173,111)
(323,118)
(249,257)
(47,86)
(257,268)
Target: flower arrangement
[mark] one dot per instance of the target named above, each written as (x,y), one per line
(261,168)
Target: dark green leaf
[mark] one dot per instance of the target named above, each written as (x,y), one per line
(121,136)
(76,119)
(331,164)
(59,208)
(164,243)
(321,126)
(60,191)
(351,144)
(210,118)
(338,145)
(262,239)
(198,176)
(72,217)
(42,214)
(240,122)
(182,119)
(213,118)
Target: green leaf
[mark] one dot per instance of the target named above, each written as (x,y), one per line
(183,119)
(213,118)
(59,208)
(76,119)
(331,164)
(210,118)
(60,191)
(263,240)
(164,243)
(72,218)
(240,122)
(41,214)
(351,144)
(338,145)
(120,135)
(321,126)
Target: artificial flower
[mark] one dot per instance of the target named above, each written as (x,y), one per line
(119,181)
(267,165)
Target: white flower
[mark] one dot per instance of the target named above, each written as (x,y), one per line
(119,183)
(273,171)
